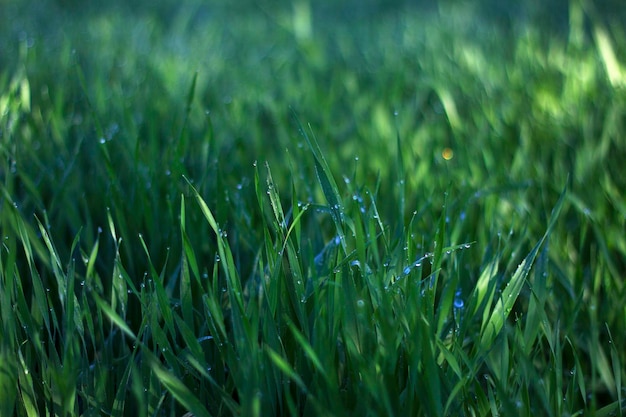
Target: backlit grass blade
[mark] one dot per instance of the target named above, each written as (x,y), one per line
(277,207)
(179,391)
(284,366)
(505,303)
(113,316)
(26,388)
(308,349)
(205,209)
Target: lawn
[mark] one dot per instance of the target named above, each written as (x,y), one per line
(265,208)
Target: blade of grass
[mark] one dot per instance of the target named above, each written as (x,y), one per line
(175,386)
(188,261)
(26,388)
(617,370)
(113,316)
(536,310)
(8,381)
(510,293)
(326,181)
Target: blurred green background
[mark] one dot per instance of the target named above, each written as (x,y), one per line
(517,90)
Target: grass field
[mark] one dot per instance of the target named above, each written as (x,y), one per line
(312,209)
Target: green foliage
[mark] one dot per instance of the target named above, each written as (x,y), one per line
(299,210)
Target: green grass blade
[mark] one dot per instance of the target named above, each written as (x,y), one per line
(26,387)
(401,181)
(179,391)
(8,381)
(617,372)
(120,395)
(113,316)
(285,368)
(504,305)
(205,209)
(536,307)
(326,181)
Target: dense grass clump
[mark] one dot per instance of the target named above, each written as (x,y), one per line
(332,209)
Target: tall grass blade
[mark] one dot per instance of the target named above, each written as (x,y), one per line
(28,397)
(326,181)
(505,303)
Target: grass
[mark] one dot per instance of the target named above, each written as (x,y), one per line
(305,210)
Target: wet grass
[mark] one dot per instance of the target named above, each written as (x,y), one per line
(308,211)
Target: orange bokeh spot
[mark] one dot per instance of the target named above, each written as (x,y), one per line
(447,154)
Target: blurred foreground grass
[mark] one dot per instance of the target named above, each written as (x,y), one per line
(257,209)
